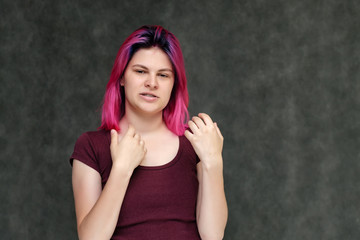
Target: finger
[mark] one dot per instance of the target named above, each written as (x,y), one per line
(130,131)
(114,136)
(218,130)
(206,118)
(194,128)
(137,137)
(188,135)
(198,121)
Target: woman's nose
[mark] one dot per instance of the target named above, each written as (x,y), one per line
(151,82)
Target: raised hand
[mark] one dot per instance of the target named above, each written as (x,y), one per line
(206,139)
(128,152)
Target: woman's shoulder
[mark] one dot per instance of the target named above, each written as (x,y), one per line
(92,148)
(186,145)
(188,149)
(95,137)
(101,133)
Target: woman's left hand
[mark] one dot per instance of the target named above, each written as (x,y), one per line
(206,139)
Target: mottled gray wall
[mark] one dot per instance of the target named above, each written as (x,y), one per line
(280,77)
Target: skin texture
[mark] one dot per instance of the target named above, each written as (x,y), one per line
(211,209)
(148,82)
(143,75)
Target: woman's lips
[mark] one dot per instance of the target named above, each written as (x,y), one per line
(149,97)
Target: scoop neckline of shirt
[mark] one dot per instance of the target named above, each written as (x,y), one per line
(168,164)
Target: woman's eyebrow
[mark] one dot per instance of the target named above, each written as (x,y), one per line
(165,69)
(160,70)
(139,65)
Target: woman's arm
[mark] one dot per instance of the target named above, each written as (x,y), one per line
(97,211)
(211,209)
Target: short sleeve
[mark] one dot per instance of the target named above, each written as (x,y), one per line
(84,151)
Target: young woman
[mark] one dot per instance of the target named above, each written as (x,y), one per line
(146,174)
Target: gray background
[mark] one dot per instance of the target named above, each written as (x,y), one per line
(280,77)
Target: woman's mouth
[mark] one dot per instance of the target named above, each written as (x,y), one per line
(148,95)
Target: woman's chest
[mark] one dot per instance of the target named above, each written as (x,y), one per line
(156,194)
(160,152)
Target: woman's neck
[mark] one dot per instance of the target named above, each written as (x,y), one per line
(144,125)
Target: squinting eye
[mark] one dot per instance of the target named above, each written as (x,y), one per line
(140,71)
(164,75)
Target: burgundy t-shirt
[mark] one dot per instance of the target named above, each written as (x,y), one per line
(160,201)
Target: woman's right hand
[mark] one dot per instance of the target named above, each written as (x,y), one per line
(128,152)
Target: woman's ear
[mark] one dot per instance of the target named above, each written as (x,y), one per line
(122,81)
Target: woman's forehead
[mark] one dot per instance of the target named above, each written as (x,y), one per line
(151,57)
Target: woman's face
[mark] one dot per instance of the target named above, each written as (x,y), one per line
(148,81)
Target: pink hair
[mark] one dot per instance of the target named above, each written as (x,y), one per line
(175,113)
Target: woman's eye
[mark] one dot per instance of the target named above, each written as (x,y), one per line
(140,71)
(164,75)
